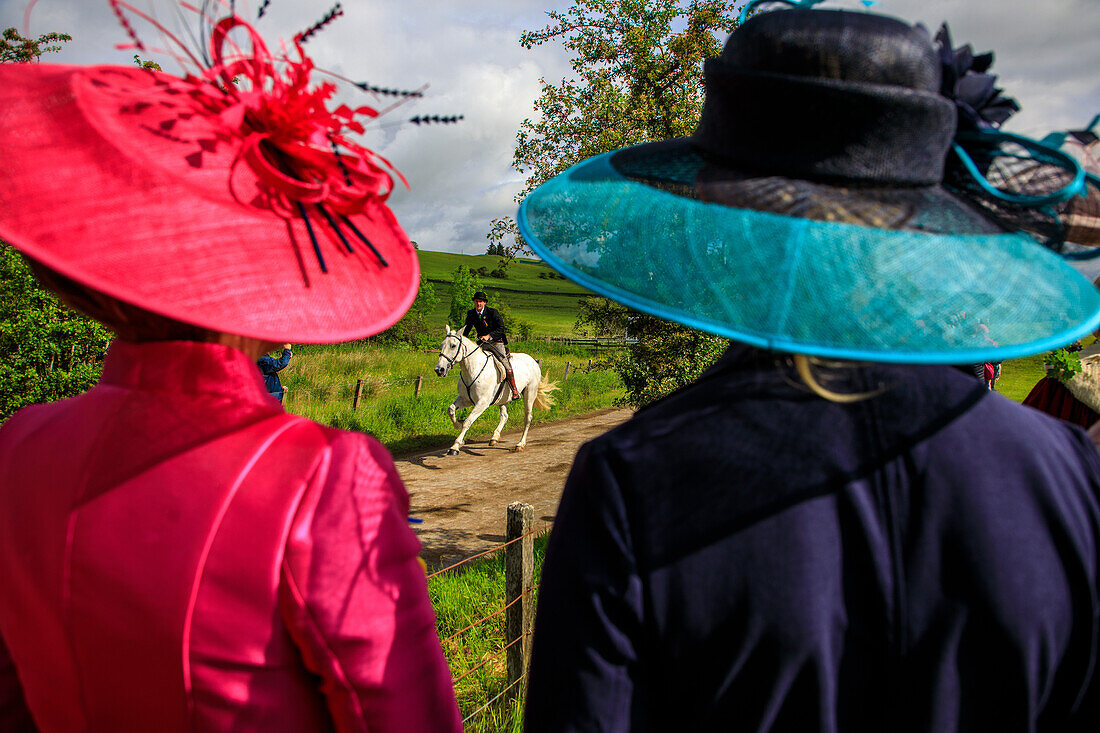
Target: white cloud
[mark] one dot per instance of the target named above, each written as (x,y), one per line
(461,176)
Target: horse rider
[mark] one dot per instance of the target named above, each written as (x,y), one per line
(490,335)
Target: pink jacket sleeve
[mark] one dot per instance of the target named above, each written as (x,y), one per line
(355,598)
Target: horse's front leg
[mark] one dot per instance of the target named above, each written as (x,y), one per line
(475,413)
(500,426)
(451,410)
(460,401)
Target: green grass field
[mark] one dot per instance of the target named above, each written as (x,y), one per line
(321,382)
(549,304)
(1019,376)
(549,315)
(523,274)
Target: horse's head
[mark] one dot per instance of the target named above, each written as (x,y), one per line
(450,352)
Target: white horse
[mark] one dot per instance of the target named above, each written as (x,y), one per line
(481,384)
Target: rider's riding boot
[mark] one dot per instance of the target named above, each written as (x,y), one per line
(512,382)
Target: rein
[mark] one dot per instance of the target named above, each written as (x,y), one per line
(459,356)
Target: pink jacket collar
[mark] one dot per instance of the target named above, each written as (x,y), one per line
(188,367)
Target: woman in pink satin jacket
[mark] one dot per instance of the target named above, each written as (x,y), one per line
(177,553)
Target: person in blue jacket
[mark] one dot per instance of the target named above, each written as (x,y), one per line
(831,529)
(270,368)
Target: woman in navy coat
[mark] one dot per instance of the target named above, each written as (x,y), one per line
(832,529)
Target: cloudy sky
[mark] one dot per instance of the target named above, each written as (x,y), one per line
(1048,57)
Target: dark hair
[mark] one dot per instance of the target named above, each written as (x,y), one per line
(127,321)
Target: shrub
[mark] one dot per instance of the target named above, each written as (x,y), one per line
(665,357)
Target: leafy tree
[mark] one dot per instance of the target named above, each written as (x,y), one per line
(463,286)
(665,357)
(638,66)
(638,78)
(49,351)
(601,317)
(15,48)
(413,328)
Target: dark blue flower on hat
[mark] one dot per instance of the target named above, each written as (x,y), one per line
(980,103)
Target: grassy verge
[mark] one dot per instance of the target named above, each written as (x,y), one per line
(462,597)
(321,383)
(1019,376)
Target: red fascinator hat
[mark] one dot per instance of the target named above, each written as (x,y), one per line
(231,199)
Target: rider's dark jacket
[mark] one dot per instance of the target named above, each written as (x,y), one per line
(489,322)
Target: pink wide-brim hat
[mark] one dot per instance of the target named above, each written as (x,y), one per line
(198,204)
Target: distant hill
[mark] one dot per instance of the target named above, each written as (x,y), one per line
(534,292)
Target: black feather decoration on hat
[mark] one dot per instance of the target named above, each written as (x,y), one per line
(436,119)
(332,15)
(387,92)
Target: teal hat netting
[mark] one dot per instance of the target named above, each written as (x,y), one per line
(933,283)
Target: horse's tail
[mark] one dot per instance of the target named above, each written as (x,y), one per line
(544,399)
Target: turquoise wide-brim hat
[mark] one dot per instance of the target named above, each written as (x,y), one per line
(808,212)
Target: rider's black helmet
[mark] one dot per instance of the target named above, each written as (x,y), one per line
(480,295)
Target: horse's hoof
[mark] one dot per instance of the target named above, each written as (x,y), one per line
(518,449)
(493,442)
(452,452)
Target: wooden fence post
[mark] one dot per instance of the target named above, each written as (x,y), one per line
(589,363)
(419,383)
(358,394)
(519,568)
(566,377)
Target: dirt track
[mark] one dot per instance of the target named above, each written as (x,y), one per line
(462,499)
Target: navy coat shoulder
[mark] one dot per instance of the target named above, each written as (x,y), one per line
(747,556)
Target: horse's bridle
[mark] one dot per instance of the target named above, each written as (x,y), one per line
(459,356)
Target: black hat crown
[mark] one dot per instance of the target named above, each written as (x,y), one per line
(829,95)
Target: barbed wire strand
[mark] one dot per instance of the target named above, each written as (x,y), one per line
(490,551)
(481,709)
(486,618)
(491,657)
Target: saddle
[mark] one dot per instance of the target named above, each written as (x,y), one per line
(502,376)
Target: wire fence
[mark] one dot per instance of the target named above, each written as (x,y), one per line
(518,607)
(594,342)
(375,385)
